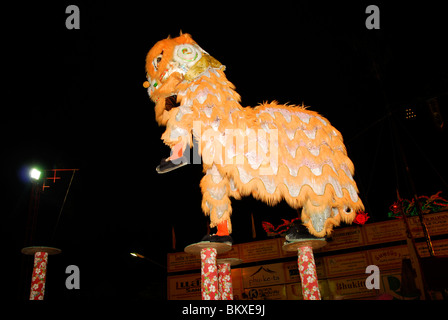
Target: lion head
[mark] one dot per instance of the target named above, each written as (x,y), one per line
(171,62)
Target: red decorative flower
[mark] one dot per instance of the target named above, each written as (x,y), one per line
(361,217)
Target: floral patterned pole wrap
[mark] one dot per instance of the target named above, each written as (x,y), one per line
(308,275)
(225,281)
(39,275)
(209,275)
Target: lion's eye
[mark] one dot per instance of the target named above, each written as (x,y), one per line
(156,61)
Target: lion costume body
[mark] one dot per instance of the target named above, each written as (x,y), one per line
(272,152)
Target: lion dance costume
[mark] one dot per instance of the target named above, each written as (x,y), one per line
(273,152)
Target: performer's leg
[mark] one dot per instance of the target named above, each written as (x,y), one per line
(176,151)
(175,160)
(178,137)
(216,204)
(223,229)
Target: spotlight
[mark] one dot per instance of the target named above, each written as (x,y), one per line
(35,174)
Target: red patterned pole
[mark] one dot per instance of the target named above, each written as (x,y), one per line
(308,275)
(39,276)
(225,281)
(209,275)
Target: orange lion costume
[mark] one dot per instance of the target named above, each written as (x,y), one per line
(272,152)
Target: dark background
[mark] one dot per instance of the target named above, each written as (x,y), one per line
(78,102)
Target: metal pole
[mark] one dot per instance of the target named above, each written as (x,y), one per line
(417,202)
(415,259)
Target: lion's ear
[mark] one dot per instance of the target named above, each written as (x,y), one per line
(185,37)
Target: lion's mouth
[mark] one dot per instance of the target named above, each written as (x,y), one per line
(171,102)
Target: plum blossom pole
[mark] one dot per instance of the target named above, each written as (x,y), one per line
(307,266)
(39,276)
(308,274)
(225,287)
(209,275)
(208,252)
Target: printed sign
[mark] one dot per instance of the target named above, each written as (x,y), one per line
(440,248)
(184,287)
(264,275)
(233,253)
(349,288)
(388,258)
(266,293)
(181,261)
(388,231)
(437,223)
(344,238)
(260,250)
(346,264)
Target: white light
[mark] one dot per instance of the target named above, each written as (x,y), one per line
(35,174)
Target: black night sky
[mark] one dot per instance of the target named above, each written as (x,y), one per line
(78,102)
